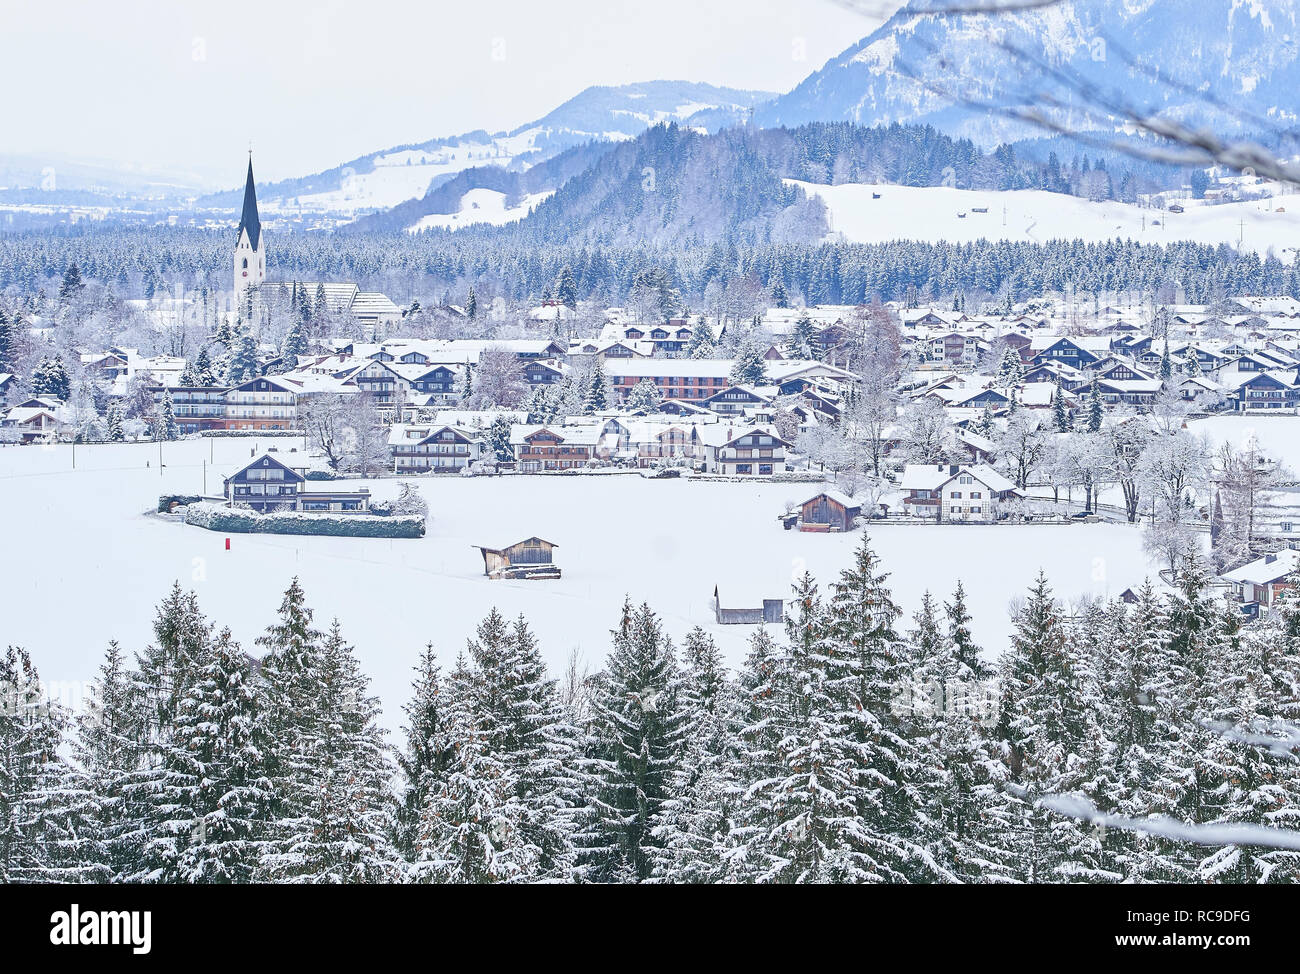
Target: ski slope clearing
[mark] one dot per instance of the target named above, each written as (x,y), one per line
(400,176)
(86,563)
(937,213)
(480,206)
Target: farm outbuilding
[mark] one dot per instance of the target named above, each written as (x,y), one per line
(829,511)
(530,558)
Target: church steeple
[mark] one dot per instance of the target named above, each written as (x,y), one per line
(249,220)
(250,255)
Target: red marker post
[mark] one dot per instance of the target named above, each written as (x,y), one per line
(227,544)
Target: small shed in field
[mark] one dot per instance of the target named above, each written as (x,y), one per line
(773,610)
(829,511)
(530,558)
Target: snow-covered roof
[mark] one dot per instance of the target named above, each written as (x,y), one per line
(1267,569)
(932,476)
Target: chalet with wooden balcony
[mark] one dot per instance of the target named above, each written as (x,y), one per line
(540,448)
(264,403)
(955,492)
(434,449)
(197,408)
(757,451)
(270,484)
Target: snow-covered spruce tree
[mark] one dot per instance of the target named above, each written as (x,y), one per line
(1011,370)
(955,773)
(1255,677)
(471,826)
(637,737)
(331,764)
(597,389)
(48,827)
(498,440)
(157,822)
(706,790)
(424,760)
(165,427)
(1137,670)
(804,822)
(166,668)
(870,673)
(220,741)
(516,711)
(1043,733)
(965,653)
(758,761)
(116,433)
(109,752)
(644,396)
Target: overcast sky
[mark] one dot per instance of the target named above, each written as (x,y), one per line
(186,85)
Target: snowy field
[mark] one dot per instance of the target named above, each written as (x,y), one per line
(86,563)
(1278,436)
(480,206)
(1034,216)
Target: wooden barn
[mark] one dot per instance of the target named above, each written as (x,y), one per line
(829,511)
(530,558)
(772,610)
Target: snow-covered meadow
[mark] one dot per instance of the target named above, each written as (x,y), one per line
(941,213)
(88,564)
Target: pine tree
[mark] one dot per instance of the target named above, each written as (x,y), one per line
(811,827)
(638,742)
(702,343)
(221,743)
(331,765)
(116,432)
(801,343)
(566,288)
(50,378)
(750,366)
(72,284)
(1044,733)
(597,390)
(516,713)
(425,759)
(41,808)
(870,670)
(1060,415)
(295,341)
(165,427)
(471,826)
(107,747)
(707,791)
(644,397)
(1094,407)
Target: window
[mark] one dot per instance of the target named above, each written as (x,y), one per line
(765,468)
(964,479)
(744,468)
(955,495)
(976,495)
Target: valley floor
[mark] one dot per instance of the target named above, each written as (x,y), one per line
(86,563)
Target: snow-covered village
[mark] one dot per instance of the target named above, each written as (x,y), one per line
(875,483)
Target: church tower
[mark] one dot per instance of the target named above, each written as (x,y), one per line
(250,252)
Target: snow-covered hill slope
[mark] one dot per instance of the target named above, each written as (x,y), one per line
(938,213)
(1159,56)
(384,179)
(480,206)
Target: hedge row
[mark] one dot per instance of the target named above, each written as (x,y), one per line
(238,520)
(166,501)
